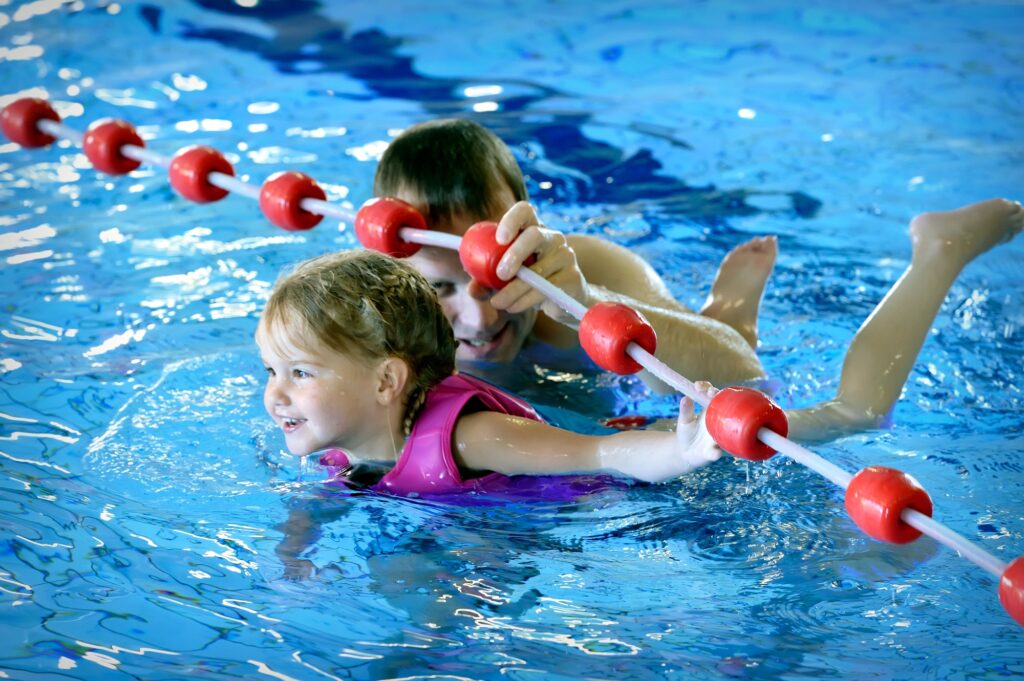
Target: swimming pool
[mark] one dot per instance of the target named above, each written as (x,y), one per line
(144,493)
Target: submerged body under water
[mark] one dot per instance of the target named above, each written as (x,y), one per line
(153,526)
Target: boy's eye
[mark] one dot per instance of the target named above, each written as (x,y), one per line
(443,288)
(301,373)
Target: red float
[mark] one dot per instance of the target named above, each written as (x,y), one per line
(607,329)
(281,197)
(379,222)
(1011,590)
(20,119)
(627,422)
(734,416)
(102,145)
(877,496)
(190,169)
(480,254)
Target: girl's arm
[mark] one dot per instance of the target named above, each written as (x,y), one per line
(516,446)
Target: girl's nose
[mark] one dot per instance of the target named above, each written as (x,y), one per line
(275,394)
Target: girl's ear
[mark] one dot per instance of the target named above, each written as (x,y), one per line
(393,377)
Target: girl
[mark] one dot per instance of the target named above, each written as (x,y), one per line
(360,358)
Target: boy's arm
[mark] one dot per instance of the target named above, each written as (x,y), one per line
(698,347)
(594,270)
(488,441)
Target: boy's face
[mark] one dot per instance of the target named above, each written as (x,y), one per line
(484,332)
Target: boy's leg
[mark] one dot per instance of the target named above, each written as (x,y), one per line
(886,346)
(736,293)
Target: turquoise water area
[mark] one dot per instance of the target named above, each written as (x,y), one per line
(152,526)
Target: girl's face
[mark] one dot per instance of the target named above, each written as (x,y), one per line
(321,398)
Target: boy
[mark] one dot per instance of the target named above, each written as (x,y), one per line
(458,173)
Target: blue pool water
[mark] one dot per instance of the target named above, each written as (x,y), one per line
(146,503)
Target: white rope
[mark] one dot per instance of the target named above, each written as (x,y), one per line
(564,300)
(669,376)
(59,130)
(327,209)
(143,155)
(429,238)
(822,467)
(234,185)
(942,534)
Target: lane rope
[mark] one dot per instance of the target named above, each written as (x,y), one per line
(885,503)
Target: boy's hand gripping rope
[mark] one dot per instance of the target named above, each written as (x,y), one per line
(885,503)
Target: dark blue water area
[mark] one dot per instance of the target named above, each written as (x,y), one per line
(154,528)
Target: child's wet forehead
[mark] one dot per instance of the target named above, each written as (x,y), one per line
(292,345)
(284,341)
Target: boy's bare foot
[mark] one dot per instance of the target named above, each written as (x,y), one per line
(958,236)
(736,292)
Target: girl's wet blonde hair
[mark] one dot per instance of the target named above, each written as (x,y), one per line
(367,305)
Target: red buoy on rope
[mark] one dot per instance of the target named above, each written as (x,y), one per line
(480,254)
(190,169)
(379,222)
(281,200)
(736,414)
(875,498)
(606,331)
(1011,590)
(102,145)
(19,121)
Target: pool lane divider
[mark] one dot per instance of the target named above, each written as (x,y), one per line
(885,503)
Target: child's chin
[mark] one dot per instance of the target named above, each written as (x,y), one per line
(296,448)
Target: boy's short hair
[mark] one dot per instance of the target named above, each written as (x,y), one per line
(455,165)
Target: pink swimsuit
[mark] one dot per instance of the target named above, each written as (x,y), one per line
(426,465)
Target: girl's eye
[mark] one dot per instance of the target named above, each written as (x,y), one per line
(269,371)
(300,373)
